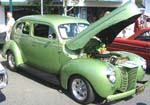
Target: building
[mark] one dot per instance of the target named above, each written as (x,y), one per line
(86,9)
(146,3)
(4,5)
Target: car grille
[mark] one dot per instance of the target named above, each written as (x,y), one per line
(128,79)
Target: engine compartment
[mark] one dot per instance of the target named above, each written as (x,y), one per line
(114,59)
(111,58)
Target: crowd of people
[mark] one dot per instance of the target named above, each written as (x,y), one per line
(142,22)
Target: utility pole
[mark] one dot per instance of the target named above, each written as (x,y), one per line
(42,7)
(73,3)
(11,6)
(65,7)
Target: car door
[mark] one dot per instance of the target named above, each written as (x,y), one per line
(23,38)
(43,53)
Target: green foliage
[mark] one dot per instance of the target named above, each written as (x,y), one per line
(64,3)
(38,2)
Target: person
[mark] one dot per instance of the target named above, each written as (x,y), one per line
(106,13)
(93,19)
(140,22)
(148,21)
(9,25)
(137,25)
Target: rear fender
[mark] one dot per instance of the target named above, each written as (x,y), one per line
(13,47)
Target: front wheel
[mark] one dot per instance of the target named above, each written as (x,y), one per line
(11,61)
(81,90)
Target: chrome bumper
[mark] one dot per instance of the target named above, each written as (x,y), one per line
(137,90)
(3,77)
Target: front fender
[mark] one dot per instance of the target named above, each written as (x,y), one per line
(137,59)
(94,71)
(13,47)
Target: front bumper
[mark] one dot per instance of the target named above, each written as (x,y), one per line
(128,93)
(3,77)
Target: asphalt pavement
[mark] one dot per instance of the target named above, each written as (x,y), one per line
(24,89)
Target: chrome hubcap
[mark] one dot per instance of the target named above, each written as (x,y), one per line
(11,61)
(79,89)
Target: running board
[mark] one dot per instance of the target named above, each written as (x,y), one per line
(50,78)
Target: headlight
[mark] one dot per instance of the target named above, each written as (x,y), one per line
(143,63)
(111,74)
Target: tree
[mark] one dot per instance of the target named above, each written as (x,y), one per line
(46,3)
(72,2)
(38,2)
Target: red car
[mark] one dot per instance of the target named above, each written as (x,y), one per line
(138,43)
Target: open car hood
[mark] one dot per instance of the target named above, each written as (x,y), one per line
(106,28)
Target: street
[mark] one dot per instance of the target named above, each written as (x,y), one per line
(24,89)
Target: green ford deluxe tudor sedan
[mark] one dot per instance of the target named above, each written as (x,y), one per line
(70,52)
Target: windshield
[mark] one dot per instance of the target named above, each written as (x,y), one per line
(71,29)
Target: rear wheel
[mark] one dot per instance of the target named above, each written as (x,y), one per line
(11,61)
(81,90)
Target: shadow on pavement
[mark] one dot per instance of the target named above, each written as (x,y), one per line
(39,80)
(58,88)
(2,97)
(114,102)
(32,77)
(141,104)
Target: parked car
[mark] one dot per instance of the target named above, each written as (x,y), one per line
(3,77)
(66,49)
(2,33)
(138,43)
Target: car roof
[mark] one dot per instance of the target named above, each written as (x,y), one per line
(53,19)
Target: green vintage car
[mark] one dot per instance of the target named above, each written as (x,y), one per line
(65,51)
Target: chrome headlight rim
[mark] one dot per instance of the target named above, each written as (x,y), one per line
(111,74)
(143,63)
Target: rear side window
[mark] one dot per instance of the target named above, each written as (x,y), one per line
(23,28)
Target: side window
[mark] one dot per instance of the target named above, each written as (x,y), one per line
(26,28)
(23,28)
(19,27)
(45,31)
(144,36)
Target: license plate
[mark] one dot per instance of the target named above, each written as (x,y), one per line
(140,89)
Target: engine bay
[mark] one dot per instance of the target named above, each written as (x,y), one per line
(121,61)
(113,59)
